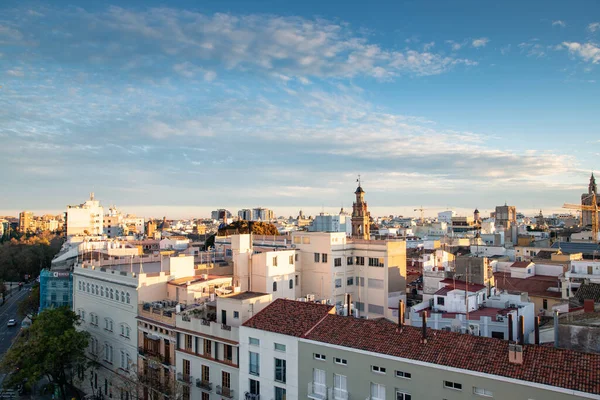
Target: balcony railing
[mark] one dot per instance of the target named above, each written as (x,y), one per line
(338,394)
(187,379)
(225,391)
(251,396)
(225,327)
(317,391)
(204,385)
(148,353)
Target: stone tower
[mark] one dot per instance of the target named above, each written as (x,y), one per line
(360,215)
(586,199)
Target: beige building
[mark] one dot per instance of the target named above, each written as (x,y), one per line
(26,222)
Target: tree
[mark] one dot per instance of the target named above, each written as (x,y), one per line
(30,306)
(2,290)
(52,347)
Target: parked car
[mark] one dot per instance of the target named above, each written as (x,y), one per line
(11,322)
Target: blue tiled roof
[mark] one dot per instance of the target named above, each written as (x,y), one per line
(571,247)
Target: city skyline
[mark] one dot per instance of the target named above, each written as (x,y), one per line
(282,105)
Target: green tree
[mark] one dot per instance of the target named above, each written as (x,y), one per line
(2,290)
(52,347)
(30,306)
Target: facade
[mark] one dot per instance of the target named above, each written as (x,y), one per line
(446,216)
(26,222)
(331,223)
(220,214)
(245,214)
(113,223)
(86,218)
(56,289)
(361,224)
(506,216)
(262,214)
(269,367)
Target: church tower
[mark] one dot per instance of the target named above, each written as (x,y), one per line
(592,188)
(360,215)
(587,200)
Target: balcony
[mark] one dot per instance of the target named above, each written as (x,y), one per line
(204,385)
(338,394)
(166,316)
(202,326)
(251,396)
(317,391)
(225,391)
(187,379)
(154,355)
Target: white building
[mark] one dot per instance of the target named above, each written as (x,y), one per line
(331,223)
(446,216)
(584,270)
(269,349)
(85,219)
(174,243)
(106,298)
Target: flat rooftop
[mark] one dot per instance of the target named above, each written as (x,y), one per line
(245,295)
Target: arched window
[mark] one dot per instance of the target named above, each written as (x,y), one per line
(274,286)
(291,283)
(123,296)
(111,294)
(102,291)
(128,299)
(79,285)
(88,287)
(117,295)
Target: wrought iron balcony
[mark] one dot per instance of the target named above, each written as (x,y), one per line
(204,385)
(251,396)
(187,379)
(225,391)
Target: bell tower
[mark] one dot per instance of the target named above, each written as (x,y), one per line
(360,215)
(592,188)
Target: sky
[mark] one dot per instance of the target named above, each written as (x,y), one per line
(181,107)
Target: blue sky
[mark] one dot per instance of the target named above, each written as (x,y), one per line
(181,107)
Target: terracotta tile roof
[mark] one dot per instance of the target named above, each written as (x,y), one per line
(521,264)
(537,285)
(289,317)
(588,291)
(544,365)
(444,291)
(461,285)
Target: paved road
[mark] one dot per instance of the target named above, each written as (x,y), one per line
(8,311)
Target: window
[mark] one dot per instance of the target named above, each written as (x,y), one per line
(125,360)
(359,305)
(205,373)
(453,385)
(93,319)
(291,283)
(79,285)
(236,315)
(360,281)
(122,296)
(349,261)
(482,392)
(228,353)
(545,304)
(254,341)
(498,335)
(279,393)
(254,363)
(340,390)
(321,357)
(117,295)
(87,285)
(291,262)
(188,342)
(280,371)
(402,374)
(108,353)
(274,286)
(280,347)
(341,361)
(254,387)
(324,257)
(376,262)
(82,315)
(377,391)
(108,324)
(111,294)
(296,257)
(375,309)
(205,396)
(102,291)
(338,283)
(275,261)
(379,370)
(440,300)
(317,257)
(128,298)
(337,262)
(360,261)
(402,396)
(350,281)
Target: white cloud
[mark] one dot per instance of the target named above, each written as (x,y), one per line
(481,42)
(560,23)
(15,72)
(593,27)
(590,52)
(532,48)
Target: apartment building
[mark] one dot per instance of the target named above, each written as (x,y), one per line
(207,345)
(86,218)
(26,222)
(262,214)
(269,366)
(373,272)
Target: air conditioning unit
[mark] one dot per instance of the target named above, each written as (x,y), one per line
(500,318)
(310,297)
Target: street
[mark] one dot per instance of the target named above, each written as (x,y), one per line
(8,311)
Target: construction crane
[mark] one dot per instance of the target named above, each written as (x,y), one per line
(593,208)
(422,213)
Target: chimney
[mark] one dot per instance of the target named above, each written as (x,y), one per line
(536,327)
(556,328)
(400,315)
(521,330)
(424,336)
(348,302)
(510,327)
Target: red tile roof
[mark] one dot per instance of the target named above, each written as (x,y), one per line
(521,264)
(289,317)
(461,285)
(534,285)
(549,366)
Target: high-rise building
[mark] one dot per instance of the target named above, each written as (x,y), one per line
(26,222)
(245,214)
(86,218)
(262,214)
(360,215)
(506,216)
(586,200)
(220,214)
